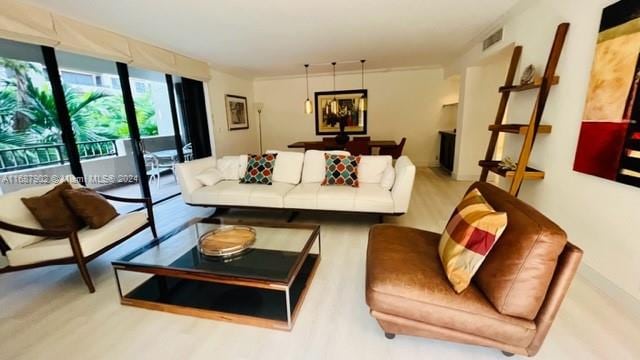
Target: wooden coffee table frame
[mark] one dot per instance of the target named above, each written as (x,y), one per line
(309,261)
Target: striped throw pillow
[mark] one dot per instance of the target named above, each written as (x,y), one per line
(472,231)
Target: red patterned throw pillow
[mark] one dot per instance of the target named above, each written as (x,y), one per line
(259,169)
(341,170)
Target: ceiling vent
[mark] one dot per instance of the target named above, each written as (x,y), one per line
(492,39)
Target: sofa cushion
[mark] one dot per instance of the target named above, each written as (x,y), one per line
(13,211)
(288,168)
(230,166)
(51,210)
(388,178)
(373,198)
(371,168)
(405,278)
(472,230)
(341,170)
(259,169)
(91,241)
(336,198)
(226,192)
(90,206)
(516,274)
(313,170)
(210,177)
(269,196)
(303,196)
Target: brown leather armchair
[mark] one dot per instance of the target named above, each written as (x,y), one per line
(512,300)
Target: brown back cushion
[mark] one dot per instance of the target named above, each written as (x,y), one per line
(516,274)
(52,212)
(92,207)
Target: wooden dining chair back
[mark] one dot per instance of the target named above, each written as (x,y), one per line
(395,152)
(357,148)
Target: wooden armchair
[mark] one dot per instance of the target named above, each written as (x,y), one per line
(76,247)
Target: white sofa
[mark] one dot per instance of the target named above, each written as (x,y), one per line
(27,245)
(297,177)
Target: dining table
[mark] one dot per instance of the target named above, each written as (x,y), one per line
(373,144)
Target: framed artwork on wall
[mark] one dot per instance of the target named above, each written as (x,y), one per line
(609,143)
(237,114)
(348,107)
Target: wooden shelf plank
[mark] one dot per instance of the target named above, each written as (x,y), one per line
(519,128)
(530,173)
(535,85)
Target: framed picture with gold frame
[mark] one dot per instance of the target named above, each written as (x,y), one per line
(348,106)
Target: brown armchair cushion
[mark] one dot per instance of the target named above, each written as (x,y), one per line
(516,274)
(52,212)
(92,207)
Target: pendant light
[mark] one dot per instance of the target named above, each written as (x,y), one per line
(362,103)
(334,102)
(308,105)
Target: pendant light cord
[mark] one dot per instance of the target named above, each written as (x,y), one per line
(334,75)
(306,71)
(362,62)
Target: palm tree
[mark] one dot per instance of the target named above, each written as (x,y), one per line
(20,70)
(41,109)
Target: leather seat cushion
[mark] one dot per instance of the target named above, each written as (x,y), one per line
(230,192)
(303,196)
(269,195)
(373,198)
(336,197)
(516,274)
(405,278)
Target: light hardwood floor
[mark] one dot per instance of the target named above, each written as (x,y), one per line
(48,313)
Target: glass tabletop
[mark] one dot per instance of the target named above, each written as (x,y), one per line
(279,250)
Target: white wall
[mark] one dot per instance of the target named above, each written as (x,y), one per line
(402,103)
(477,110)
(237,141)
(600,216)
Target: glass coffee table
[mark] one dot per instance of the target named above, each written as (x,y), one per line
(264,286)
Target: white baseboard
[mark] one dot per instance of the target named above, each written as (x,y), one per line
(606,287)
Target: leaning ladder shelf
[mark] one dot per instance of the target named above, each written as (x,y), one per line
(529,130)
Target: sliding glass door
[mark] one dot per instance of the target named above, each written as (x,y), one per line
(31,148)
(94,98)
(158,134)
(120,129)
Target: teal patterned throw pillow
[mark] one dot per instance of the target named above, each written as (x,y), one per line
(341,170)
(259,169)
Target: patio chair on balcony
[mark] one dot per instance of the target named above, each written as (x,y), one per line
(187,151)
(156,165)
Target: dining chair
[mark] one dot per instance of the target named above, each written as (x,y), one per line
(358,147)
(362,138)
(396,151)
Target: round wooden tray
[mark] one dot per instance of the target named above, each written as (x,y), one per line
(227,240)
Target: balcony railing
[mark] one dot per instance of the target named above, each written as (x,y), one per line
(51,154)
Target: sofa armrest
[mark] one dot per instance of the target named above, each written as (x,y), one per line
(403,184)
(187,172)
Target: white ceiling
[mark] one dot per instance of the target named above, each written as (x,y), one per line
(261,38)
